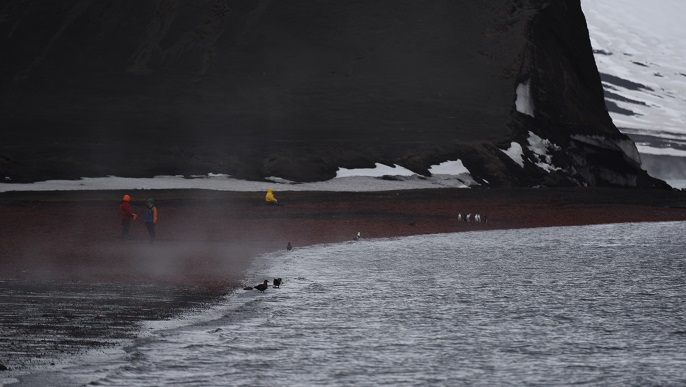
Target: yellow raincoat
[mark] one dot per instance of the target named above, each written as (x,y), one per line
(270,199)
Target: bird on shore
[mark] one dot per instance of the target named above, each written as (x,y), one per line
(358,236)
(262,287)
(277,282)
(289,247)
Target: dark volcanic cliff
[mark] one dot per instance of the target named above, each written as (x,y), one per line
(296,89)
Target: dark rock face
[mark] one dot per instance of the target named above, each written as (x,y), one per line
(296,89)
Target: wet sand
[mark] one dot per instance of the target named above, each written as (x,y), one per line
(70,283)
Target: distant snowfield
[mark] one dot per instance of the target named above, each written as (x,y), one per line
(640,52)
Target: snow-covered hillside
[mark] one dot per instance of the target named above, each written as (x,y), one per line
(640,51)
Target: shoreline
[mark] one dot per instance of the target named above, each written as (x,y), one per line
(71,284)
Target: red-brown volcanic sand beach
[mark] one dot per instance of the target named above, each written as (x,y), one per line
(69,283)
(207,237)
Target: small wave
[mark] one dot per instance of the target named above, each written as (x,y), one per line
(316,287)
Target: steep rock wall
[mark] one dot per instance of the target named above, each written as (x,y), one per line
(297,89)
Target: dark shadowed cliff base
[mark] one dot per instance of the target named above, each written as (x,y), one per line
(70,283)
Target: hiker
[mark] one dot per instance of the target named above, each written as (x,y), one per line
(126,215)
(270,199)
(151,219)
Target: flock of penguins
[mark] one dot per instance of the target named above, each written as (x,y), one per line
(477,218)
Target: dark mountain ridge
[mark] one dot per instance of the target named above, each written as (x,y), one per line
(297,89)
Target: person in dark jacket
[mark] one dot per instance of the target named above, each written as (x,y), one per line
(126,215)
(151,219)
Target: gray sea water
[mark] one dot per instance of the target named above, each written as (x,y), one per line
(596,305)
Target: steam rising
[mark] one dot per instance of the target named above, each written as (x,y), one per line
(81,241)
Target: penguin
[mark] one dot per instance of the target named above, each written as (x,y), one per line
(277,282)
(262,287)
(289,247)
(358,236)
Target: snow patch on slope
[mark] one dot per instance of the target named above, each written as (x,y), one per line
(524,103)
(540,147)
(515,152)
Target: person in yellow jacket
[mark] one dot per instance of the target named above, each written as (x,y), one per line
(270,199)
(151,219)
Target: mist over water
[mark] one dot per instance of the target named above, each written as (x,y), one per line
(593,304)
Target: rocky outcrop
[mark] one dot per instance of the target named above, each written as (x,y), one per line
(297,89)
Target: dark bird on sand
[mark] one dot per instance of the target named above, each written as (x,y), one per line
(262,287)
(277,282)
(289,247)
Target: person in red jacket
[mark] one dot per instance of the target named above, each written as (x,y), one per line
(126,215)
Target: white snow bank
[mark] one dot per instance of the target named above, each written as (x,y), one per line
(524,103)
(451,174)
(453,168)
(226,183)
(378,171)
(449,171)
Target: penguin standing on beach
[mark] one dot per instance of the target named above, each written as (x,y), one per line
(289,246)
(277,282)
